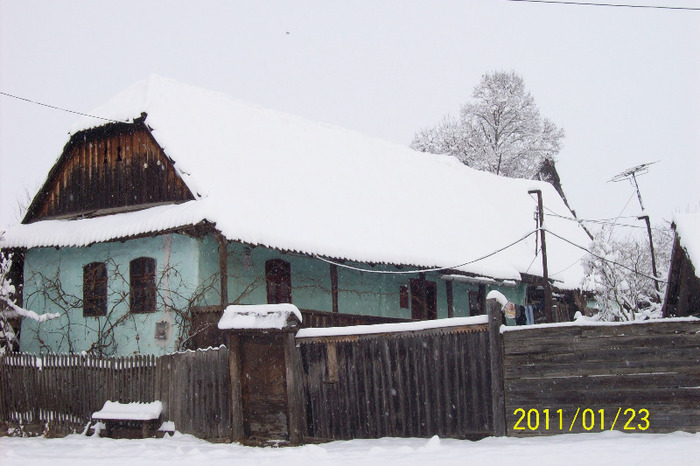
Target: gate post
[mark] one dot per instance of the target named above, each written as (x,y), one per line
(266,371)
(498,408)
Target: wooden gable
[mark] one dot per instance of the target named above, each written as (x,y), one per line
(683,289)
(113,168)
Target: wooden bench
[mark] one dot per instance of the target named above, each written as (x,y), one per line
(129,420)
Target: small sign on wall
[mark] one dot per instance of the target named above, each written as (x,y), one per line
(161,330)
(509,310)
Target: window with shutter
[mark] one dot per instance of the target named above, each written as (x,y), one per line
(95,289)
(279,281)
(142,279)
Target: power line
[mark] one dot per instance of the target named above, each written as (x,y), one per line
(438,269)
(603,221)
(614,5)
(59,108)
(435,269)
(656,279)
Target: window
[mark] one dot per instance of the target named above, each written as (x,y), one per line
(142,279)
(423,299)
(474,307)
(403,297)
(95,289)
(279,281)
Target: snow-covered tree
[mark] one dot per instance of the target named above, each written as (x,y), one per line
(8,337)
(9,309)
(499,131)
(619,272)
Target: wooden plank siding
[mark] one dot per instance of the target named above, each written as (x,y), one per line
(107,169)
(651,366)
(407,384)
(682,296)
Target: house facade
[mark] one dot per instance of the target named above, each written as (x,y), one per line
(148,226)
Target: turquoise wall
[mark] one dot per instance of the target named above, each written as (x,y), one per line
(187,274)
(53,284)
(359,292)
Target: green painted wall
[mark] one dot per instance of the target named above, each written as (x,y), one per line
(53,284)
(187,274)
(359,292)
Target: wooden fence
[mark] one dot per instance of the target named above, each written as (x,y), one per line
(642,377)
(462,380)
(402,384)
(207,334)
(323,319)
(62,391)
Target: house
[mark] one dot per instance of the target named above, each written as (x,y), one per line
(683,289)
(187,200)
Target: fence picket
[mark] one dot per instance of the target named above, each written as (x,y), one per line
(64,390)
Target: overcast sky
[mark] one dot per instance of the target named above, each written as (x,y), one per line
(624,83)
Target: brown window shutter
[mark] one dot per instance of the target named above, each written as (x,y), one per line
(142,280)
(95,289)
(279,281)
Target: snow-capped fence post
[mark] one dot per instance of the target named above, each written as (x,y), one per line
(266,373)
(496,356)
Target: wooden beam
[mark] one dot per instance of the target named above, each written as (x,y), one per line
(496,352)
(296,407)
(450,299)
(223,268)
(334,287)
(237,430)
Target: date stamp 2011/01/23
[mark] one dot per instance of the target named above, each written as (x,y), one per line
(550,420)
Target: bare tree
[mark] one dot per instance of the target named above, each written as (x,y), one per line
(176,296)
(500,131)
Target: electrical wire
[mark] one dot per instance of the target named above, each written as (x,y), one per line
(656,279)
(615,5)
(59,108)
(604,221)
(438,269)
(435,269)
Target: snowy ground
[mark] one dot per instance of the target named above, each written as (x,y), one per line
(572,449)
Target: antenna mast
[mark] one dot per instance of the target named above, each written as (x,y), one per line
(631,174)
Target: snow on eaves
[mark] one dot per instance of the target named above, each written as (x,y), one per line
(84,232)
(273,179)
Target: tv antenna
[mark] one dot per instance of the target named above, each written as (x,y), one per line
(632,174)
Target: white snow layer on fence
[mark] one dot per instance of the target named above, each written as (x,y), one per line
(346,195)
(498,296)
(262,316)
(391,328)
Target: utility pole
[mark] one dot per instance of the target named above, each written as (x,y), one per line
(545,273)
(631,174)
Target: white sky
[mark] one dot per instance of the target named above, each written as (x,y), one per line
(624,83)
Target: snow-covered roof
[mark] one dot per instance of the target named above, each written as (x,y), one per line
(688,231)
(269,178)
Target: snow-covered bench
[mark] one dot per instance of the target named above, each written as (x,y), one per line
(129,420)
